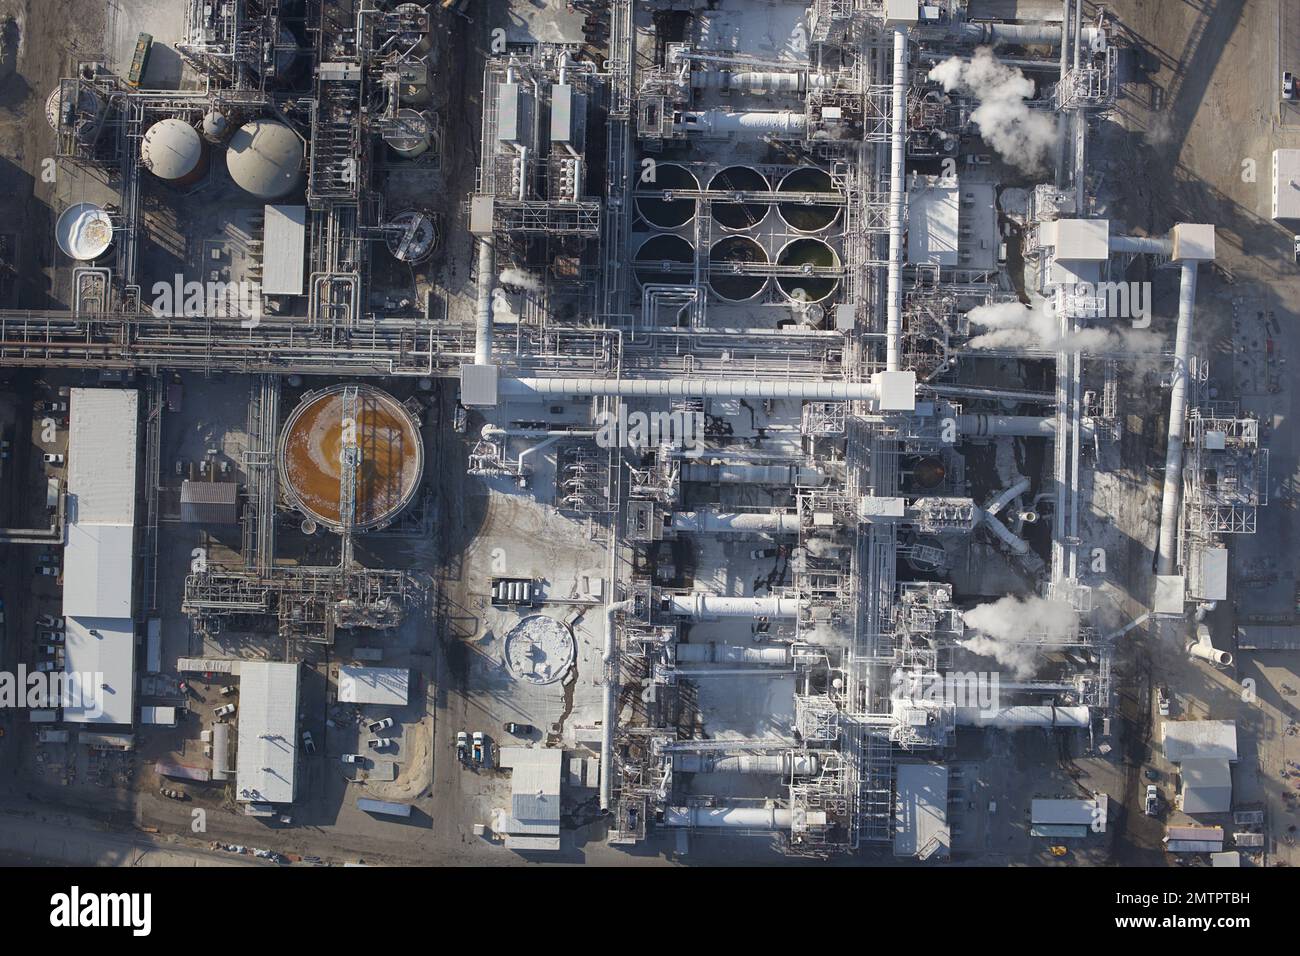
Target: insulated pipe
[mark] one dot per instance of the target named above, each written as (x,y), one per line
(1022,426)
(1008,496)
(740,818)
(713,653)
(1009,538)
(693,388)
(1148,244)
(897,174)
(1166,555)
(483,305)
(1029,716)
(1020,34)
(783,764)
(702,606)
(759,82)
(749,122)
(718,522)
(780,475)
(609,694)
(1204,649)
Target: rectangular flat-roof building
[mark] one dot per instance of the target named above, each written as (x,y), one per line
(99,551)
(921,812)
(1207,785)
(1199,740)
(1286,184)
(533,822)
(284,249)
(266,765)
(374,685)
(209,502)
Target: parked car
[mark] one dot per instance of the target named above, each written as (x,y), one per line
(225,710)
(52,459)
(1163,701)
(308,744)
(47,650)
(173,794)
(230,690)
(379,743)
(462,746)
(48,570)
(49,620)
(1151,773)
(1297,248)
(46,667)
(1288,86)
(379,725)
(519,730)
(1151,804)
(478,749)
(351,758)
(52,637)
(758,554)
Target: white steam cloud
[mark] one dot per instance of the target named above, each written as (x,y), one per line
(1020,135)
(520,280)
(1013,630)
(1013,325)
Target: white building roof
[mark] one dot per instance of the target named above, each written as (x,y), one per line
(102,432)
(1082,239)
(1199,739)
(921,811)
(374,685)
(1286,184)
(283,249)
(103,647)
(1207,786)
(98,561)
(534,791)
(266,765)
(934,210)
(1070,812)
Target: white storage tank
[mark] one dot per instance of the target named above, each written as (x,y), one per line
(174,152)
(265,159)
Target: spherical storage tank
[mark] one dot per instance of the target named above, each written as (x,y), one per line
(265,159)
(174,152)
(391,456)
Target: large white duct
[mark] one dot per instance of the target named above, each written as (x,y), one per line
(727,474)
(1166,555)
(712,653)
(740,818)
(759,82)
(701,606)
(1203,648)
(1141,244)
(720,122)
(694,388)
(1029,716)
(897,174)
(716,522)
(1022,426)
(483,304)
(782,764)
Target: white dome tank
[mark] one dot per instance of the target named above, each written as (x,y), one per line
(173,151)
(265,159)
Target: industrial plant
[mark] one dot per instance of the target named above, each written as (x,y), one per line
(695,431)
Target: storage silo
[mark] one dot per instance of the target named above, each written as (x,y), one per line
(265,159)
(174,152)
(410,134)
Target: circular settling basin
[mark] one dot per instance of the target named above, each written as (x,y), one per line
(727,259)
(665,259)
(738,215)
(668,213)
(391,457)
(539,650)
(809,254)
(807,217)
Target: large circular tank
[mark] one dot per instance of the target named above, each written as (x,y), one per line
(540,649)
(173,151)
(411,23)
(807,217)
(310,456)
(84,119)
(665,259)
(409,135)
(735,215)
(413,235)
(265,159)
(736,251)
(216,125)
(84,231)
(807,254)
(667,212)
